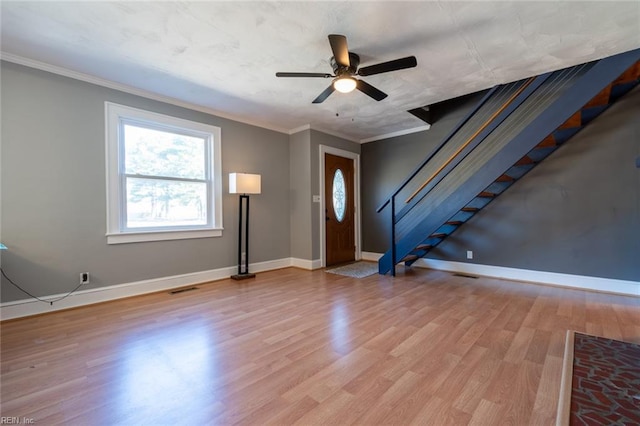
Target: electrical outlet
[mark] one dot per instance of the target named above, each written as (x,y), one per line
(469,254)
(84,278)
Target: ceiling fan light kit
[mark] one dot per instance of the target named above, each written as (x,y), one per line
(344,84)
(345,67)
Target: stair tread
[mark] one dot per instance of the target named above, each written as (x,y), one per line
(600,99)
(487,194)
(524,161)
(438,235)
(547,142)
(409,258)
(469,209)
(574,121)
(505,178)
(633,73)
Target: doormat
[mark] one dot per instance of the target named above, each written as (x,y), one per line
(600,381)
(355,270)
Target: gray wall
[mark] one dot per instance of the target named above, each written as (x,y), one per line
(53,190)
(578,212)
(300,186)
(305,183)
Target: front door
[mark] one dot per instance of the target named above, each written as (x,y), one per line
(339,201)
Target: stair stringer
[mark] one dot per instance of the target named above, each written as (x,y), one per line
(579,94)
(608,96)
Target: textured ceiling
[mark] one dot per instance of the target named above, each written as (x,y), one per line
(223,56)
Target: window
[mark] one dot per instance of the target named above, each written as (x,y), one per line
(339,195)
(163,177)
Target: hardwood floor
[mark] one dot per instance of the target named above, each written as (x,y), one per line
(300,347)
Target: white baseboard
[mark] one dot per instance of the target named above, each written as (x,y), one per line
(373,257)
(306,264)
(27,307)
(583,282)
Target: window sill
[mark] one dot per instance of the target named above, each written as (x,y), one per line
(137,237)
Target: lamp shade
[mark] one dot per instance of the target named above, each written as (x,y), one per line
(244,183)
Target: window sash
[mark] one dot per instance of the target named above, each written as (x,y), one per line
(124,204)
(117,116)
(164,128)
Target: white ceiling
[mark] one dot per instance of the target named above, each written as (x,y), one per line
(222,56)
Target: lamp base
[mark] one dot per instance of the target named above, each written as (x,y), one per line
(242,276)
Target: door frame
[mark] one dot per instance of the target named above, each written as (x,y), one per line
(325,149)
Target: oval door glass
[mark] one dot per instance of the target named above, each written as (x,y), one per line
(339,195)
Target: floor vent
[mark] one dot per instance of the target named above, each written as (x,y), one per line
(182,290)
(465,275)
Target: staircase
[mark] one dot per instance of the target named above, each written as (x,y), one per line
(511,130)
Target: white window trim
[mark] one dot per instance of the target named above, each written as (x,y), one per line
(114,113)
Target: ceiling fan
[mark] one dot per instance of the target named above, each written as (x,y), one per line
(345,68)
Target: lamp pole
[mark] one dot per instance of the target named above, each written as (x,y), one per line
(243,273)
(243,184)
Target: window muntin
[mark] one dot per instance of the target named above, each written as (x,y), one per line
(339,195)
(163,177)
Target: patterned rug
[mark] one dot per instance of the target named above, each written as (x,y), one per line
(355,270)
(600,382)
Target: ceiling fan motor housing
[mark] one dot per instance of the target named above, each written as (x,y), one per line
(354,61)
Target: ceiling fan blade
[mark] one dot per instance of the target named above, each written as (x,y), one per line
(398,64)
(324,95)
(369,90)
(340,50)
(303,74)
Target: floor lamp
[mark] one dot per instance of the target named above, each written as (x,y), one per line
(243,184)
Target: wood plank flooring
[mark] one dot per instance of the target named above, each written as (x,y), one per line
(301,347)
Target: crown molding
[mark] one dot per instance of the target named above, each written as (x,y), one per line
(319,129)
(398,133)
(332,133)
(299,129)
(87,78)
